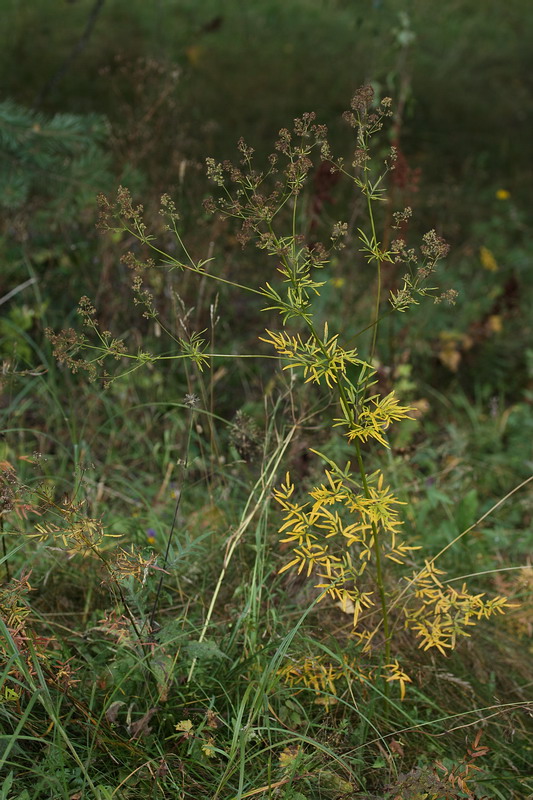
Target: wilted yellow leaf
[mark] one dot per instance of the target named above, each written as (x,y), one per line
(494,323)
(419,407)
(347,606)
(211,719)
(325,700)
(185,727)
(208,749)
(288,756)
(194,54)
(487,259)
(450,356)
(452,346)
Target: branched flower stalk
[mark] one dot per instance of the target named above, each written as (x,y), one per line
(323,543)
(67,525)
(351,524)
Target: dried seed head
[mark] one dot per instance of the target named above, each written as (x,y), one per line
(362,99)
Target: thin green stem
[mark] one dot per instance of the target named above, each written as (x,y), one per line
(172,529)
(173,262)
(378,291)
(375,532)
(4,550)
(379,567)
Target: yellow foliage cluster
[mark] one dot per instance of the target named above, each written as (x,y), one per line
(443,613)
(334,535)
(333,538)
(319,359)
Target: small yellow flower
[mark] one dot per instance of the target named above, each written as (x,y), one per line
(151,536)
(503,194)
(338,283)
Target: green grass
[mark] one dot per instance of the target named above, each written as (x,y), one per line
(241,713)
(158,509)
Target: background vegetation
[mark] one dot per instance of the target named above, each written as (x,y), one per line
(96,95)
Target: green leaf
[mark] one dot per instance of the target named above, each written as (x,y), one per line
(205,651)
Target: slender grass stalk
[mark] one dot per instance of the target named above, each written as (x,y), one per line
(264,484)
(185,464)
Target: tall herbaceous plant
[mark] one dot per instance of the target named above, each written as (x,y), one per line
(347,535)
